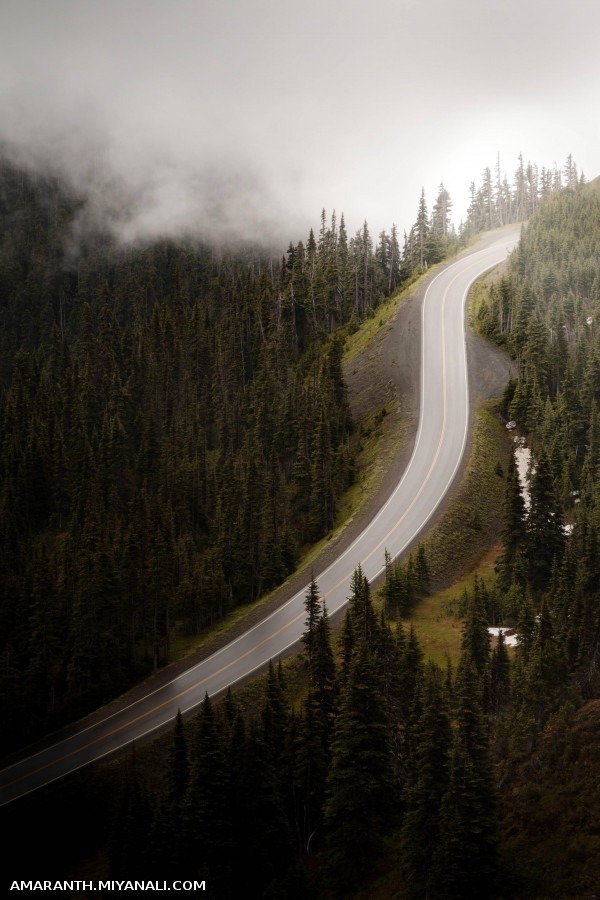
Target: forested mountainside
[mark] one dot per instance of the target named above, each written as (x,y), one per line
(174,427)
(174,424)
(469,770)
(546,312)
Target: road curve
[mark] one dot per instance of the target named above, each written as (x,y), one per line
(438,450)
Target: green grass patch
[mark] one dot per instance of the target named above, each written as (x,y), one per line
(469,524)
(435,621)
(438,632)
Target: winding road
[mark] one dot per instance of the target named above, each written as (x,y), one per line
(438,451)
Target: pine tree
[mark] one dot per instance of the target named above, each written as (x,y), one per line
(499,692)
(207,824)
(422,572)
(475,644)
(362,614)
(465,859)
(360,776)
(323,674)
(395,276)
(310,769)
(312,605)
(179,765)
(421,229)
(545,537)
(265,841)
(131,829)
(432,739)
(513,525)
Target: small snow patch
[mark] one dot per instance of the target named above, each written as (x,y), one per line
(510,638)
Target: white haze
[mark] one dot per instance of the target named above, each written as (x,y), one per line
(244,118)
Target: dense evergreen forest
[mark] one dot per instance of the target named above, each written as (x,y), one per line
(175,430)
(175,427)
(388,775)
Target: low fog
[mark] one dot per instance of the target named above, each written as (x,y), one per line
(242,119)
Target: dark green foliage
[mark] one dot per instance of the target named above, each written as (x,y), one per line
(321,664)
(405,584)
(131,829)
(546,310)
(360,610)
(175,427)
(312,604)
(265,843)
(179,768)
(513,525)
(323,674)
(545,536)
(359,782)
(207,825)
(465,858)
(310,761)
(275,721)
(551,814)
(432,736)
(499,689)
(475,646)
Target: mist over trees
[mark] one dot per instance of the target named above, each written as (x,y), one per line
(404,770)
(497,202)
(175,430)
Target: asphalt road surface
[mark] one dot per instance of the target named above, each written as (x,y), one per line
(439,447)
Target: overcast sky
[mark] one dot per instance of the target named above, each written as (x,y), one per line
(246,117)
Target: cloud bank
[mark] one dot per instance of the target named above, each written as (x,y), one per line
(243,118)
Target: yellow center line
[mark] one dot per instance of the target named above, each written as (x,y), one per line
(158,706)
(395,527)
